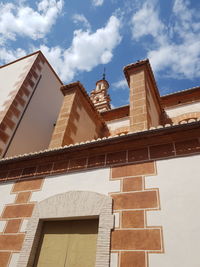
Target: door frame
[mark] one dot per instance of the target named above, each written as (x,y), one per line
(70,205)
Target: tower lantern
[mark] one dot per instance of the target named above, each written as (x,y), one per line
(100,96)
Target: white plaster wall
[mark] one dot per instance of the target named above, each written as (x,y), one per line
(2,225)
(173,112)
(114,260)
(23,225)
(5,196)
(11,74)
(178,181)
(95,180)
(35,130)
(14,260)
(115,124)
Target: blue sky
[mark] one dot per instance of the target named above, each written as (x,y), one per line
(80,38)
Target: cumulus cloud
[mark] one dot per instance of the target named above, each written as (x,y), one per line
(97,2)
(11,55)
(80,19)
(146,21)
(175,47)
(87,50)
(23,20)
(121,84)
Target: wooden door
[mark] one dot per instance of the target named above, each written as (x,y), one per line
(67,244)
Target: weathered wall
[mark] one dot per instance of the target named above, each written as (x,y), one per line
(78,120)
(85,125)
(155,203)
(133,239)
(178,184)
(94,180)
(17,202)
(184,112)
(119,125)
(15,210)
(17,82)
(182,109)
(36,127)
(12,76)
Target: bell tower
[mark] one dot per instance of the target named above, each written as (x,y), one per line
(100,96)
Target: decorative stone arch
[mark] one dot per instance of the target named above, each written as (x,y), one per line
(70,205)
(186,117)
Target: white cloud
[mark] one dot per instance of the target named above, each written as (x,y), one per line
(86,51)
(175,47)
(81,19)
(23,20)
(121,84)
(187,22)
(146,21)
(97,2)
(10,55)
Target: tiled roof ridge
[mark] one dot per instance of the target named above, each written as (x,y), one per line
(124,106)
(181,91)
(138,62)
(151,129)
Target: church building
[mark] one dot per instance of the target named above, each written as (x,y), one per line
(86,185)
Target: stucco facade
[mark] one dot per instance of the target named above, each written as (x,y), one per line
(134,168)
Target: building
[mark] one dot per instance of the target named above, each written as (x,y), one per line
(82,184)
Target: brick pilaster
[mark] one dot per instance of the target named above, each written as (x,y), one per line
(15,216)
(133,239)
(145,107)
(138,102)
(78,120)
(63,120)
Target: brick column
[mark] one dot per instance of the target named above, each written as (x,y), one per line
(145,107)
(63,119)
(78,120)
(138,101)
(133,239)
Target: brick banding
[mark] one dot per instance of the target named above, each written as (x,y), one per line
(27,185)
(22,197)
(133,219)
(4,258)
(135,200)
(13,226)
(144,239)
(18,211)
(133,259)
(132,184)
(146,168)
(11,242)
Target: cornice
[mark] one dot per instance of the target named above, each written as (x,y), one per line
(112,141)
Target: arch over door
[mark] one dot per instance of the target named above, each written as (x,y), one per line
(70,205)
